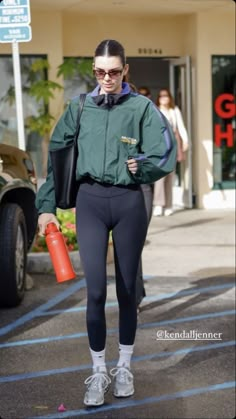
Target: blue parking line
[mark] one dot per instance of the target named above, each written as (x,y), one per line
(74,309)
(148,277)
(196,290)
(135,403)
(114,330)
(41,310)
(188,319)
(211,346)
(151,298)
(37,311)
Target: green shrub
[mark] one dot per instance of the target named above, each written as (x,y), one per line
(66,219)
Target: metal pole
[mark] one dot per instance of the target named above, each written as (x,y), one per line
(18,95)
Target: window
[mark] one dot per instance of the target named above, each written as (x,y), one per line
(224,121)
(78,76)
(8,120)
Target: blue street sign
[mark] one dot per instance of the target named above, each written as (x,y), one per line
(14,12)
(15,33)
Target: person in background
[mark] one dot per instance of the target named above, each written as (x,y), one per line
(163,188)
(145,91)
(124,142)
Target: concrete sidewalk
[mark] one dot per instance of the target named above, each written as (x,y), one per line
(188,243)
(191,243)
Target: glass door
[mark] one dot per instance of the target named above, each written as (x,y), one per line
(181,89)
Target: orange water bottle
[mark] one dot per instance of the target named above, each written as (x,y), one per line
(59,253)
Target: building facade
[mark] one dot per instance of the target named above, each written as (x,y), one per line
(186,46)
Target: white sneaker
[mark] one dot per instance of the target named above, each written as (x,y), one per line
(157,212)
(123,382)
(97,385)
(168,212)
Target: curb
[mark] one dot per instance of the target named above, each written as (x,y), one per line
(39,263)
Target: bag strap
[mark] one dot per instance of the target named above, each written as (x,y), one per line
(82,98)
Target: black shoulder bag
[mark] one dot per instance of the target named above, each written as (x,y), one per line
(64,160)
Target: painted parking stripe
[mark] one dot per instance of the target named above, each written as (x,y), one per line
(188,319)
(148,357)
(50,303)
(135,403)
(148,277)
(39,311)
(150,298)
(114,330)
(200,290)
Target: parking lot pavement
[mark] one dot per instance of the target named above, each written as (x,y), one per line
(184,360)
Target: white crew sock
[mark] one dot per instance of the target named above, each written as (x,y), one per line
(125,353)
(98,359)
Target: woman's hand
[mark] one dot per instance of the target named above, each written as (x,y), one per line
(132,165)
(45,219)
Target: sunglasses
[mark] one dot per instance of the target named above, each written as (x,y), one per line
(113,74)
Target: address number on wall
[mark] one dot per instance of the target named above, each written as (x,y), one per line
(150,51)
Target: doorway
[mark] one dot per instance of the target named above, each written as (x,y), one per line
(174,74)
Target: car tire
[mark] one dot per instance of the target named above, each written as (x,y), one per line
(13,255)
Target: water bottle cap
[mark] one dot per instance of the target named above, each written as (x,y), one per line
(51,228)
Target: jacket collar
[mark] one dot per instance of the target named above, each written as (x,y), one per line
(109,100)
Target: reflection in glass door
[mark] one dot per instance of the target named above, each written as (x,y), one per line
(180,87)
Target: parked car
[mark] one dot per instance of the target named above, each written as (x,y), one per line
(18,221)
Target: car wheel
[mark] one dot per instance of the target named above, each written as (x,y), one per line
(13,255)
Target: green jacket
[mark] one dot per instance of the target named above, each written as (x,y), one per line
(131,126)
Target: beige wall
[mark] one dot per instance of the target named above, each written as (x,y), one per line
(83,33)
(199,35)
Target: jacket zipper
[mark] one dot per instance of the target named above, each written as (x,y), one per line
(104,161)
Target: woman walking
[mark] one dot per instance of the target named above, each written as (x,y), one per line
(163,188)
(123,142)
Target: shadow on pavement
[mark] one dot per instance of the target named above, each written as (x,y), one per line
(196,299)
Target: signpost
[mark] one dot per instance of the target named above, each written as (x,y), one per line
(14,12)
(15,34)
(14,28)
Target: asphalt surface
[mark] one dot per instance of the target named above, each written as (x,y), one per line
(189,269)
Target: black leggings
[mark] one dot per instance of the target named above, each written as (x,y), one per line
(101,208)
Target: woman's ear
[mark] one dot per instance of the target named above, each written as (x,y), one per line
(126,69)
